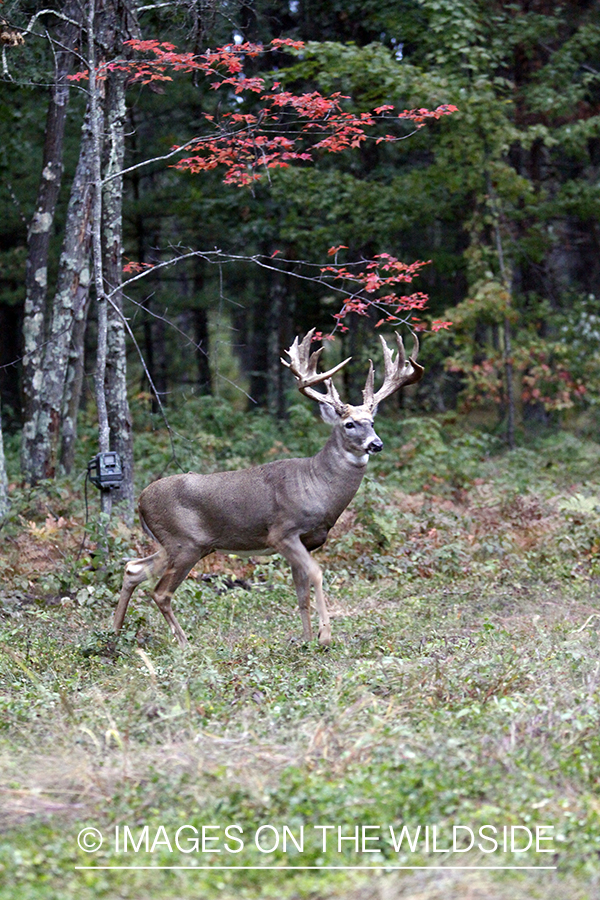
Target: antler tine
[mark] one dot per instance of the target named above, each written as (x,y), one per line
(368,399)
(333,397)
(303,366)
(397,372)
(393,369)
(415,352)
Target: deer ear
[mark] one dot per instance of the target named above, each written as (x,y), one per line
(328,413)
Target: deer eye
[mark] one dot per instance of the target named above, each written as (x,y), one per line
(349,425)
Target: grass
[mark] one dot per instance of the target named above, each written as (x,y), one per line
(462,688)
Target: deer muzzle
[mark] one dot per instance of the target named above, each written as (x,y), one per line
(374,446)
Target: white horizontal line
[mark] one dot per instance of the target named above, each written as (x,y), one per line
(317,868)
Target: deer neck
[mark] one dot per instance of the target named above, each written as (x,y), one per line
(338,469)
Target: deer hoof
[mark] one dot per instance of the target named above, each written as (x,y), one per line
(181,639)
(325,635)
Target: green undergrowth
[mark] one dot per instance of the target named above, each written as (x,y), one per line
(462,687)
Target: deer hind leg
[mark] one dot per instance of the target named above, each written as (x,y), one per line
(137,571)
(305,573)
(170,580)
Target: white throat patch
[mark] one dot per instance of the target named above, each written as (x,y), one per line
(356,459)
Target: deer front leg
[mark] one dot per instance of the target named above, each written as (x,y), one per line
(302,585)
(324,625)
(305,573)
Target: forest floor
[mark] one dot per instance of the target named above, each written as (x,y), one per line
(462,689)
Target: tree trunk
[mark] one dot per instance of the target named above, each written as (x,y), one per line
(96,101)
(159,352)
(352,345)
(122,26)
(69,310)
(202,341)
(36,273)
(201,334)
(109,23)
(508,363)
(154,325)
(3,479)
(259,338)
(11,333)
(510,392)
(270,319)
(73,387)
(275,371)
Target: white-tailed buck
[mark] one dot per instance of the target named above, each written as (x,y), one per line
(287,506)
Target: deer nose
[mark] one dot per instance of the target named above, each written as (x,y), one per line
(375,446)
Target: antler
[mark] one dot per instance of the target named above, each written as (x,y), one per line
(303,366)
(397,373)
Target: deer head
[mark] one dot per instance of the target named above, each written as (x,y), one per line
(353,423)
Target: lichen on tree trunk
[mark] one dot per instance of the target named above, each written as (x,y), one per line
(68,310)
(73,388)
(119,415)
(35,324)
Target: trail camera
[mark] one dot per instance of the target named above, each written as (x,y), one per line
(105,471)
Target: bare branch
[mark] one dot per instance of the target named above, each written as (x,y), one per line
(151,6)
(53,12)
(148,162)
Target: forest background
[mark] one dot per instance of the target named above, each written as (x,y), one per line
(462,684)
(501,198)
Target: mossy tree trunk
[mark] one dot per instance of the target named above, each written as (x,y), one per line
(68,314)
(119,415)
(35,322)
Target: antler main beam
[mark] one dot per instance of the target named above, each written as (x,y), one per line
(398,372)
(303,366)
